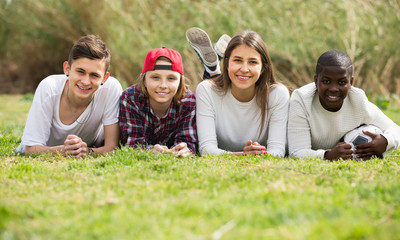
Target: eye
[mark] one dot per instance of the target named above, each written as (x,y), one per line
(342,83)
(95,75)
(237,60)
(155,77)
(325,81)
(253,62)
(172,78)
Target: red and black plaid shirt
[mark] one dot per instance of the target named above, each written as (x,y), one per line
(141,128)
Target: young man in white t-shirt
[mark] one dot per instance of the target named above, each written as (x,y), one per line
(76,114)
(322,112)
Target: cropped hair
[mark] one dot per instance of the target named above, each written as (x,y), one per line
(182,89)
(266,79)
(334,58)
(92,47)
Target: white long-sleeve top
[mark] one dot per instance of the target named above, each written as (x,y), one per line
(312,130)
(225,124)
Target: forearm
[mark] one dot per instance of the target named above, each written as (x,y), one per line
(43,149)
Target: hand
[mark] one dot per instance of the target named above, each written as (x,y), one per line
(74,146)
(159,149)
(341,150)
(181,150)
(254,148)
(374,148)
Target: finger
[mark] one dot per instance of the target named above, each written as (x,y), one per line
(372,135)
(73,152)
(179,146)
(255,152)
(71,136)
(184,153)
(257,148)
(256,143)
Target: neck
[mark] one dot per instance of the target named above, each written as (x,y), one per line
(72,100)
(160,109)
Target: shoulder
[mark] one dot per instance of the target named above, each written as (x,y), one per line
(279,94)
(279,90)
(189,99)
(305,92)
(112,83)
(52,85)
(355,92)
(208,88)
(54,81)
(132,92)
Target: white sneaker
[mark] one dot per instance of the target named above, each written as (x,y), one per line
(221,44)
(201,43)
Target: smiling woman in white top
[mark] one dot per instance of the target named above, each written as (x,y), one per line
(243,110)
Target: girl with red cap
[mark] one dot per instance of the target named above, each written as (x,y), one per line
(158,113)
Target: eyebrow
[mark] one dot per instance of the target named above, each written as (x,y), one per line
(254,58)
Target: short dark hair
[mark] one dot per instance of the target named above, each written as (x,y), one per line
(334,58)
(92,47)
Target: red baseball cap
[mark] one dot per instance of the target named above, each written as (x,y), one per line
(151,58)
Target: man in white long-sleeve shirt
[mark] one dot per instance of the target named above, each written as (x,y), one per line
(322,112)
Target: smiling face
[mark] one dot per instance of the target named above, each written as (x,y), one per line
(244,70)
(161,86)
(333,83)
(85,77)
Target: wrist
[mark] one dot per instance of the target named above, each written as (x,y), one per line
(90,151)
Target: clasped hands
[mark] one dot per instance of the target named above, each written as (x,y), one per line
(180,150)
(252,148)
(75,146)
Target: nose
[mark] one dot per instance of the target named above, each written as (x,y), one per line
(163,83)
(85,80)
(244,67)
(334,88)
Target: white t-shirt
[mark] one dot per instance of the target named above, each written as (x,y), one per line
(224,124)
(44,127)
(312,130)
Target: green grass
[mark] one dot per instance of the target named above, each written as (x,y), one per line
(137,195)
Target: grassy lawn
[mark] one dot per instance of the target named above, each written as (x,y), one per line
(136,195)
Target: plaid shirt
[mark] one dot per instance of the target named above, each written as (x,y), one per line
(141,128)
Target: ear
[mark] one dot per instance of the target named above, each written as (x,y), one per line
(106,76)
(66,68)
(351,80)
(316,80)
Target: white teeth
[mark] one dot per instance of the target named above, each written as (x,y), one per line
(83,88)
(333,97)
(243,77)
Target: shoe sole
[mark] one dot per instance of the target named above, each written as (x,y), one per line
(201,43)
(221,44)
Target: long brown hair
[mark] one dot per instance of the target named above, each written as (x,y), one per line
(267,78)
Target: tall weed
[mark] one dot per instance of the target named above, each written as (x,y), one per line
(37,35)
